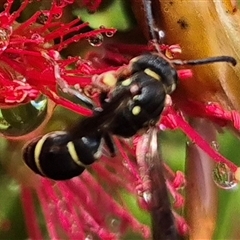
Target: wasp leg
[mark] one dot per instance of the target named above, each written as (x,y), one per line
(110,145)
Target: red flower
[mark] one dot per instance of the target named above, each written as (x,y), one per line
(26,50)
(31,64)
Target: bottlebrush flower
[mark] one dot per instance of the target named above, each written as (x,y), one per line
(31,65)
(24,47)
(210,99)
(90,206)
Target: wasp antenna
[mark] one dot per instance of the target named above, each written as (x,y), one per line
(210,60)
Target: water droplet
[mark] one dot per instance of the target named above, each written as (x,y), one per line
(162,127)
(109,34)
(215,145)
(161,34)
(5,5)
(209,103)
(114,224)
(190,143)
(223,177)
(37,37)
(57,15)
(57,11)
(96,40)
(4,38)
(88,237)
(20,120)
(147,196)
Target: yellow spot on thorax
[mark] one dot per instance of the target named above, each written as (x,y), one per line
(126,82)
(152,74)
(136,110)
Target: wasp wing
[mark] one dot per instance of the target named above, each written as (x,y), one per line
(163,224)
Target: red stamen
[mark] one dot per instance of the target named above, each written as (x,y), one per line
(17,13)
(32,226)
(184,73)
(176,121)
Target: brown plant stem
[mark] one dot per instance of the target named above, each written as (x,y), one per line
(201,192)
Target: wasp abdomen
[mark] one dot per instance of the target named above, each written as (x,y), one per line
(58,156)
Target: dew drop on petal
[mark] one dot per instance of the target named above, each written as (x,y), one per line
(4,38)
(37,37)
(147,196)
(89,237)
(223,177)
(162,127)
(114,224)
(215,145)
(161,34)
(57,12)
(23,119)
(57,15)
(5,5)
(190,143)
(109,34)
(96,40)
